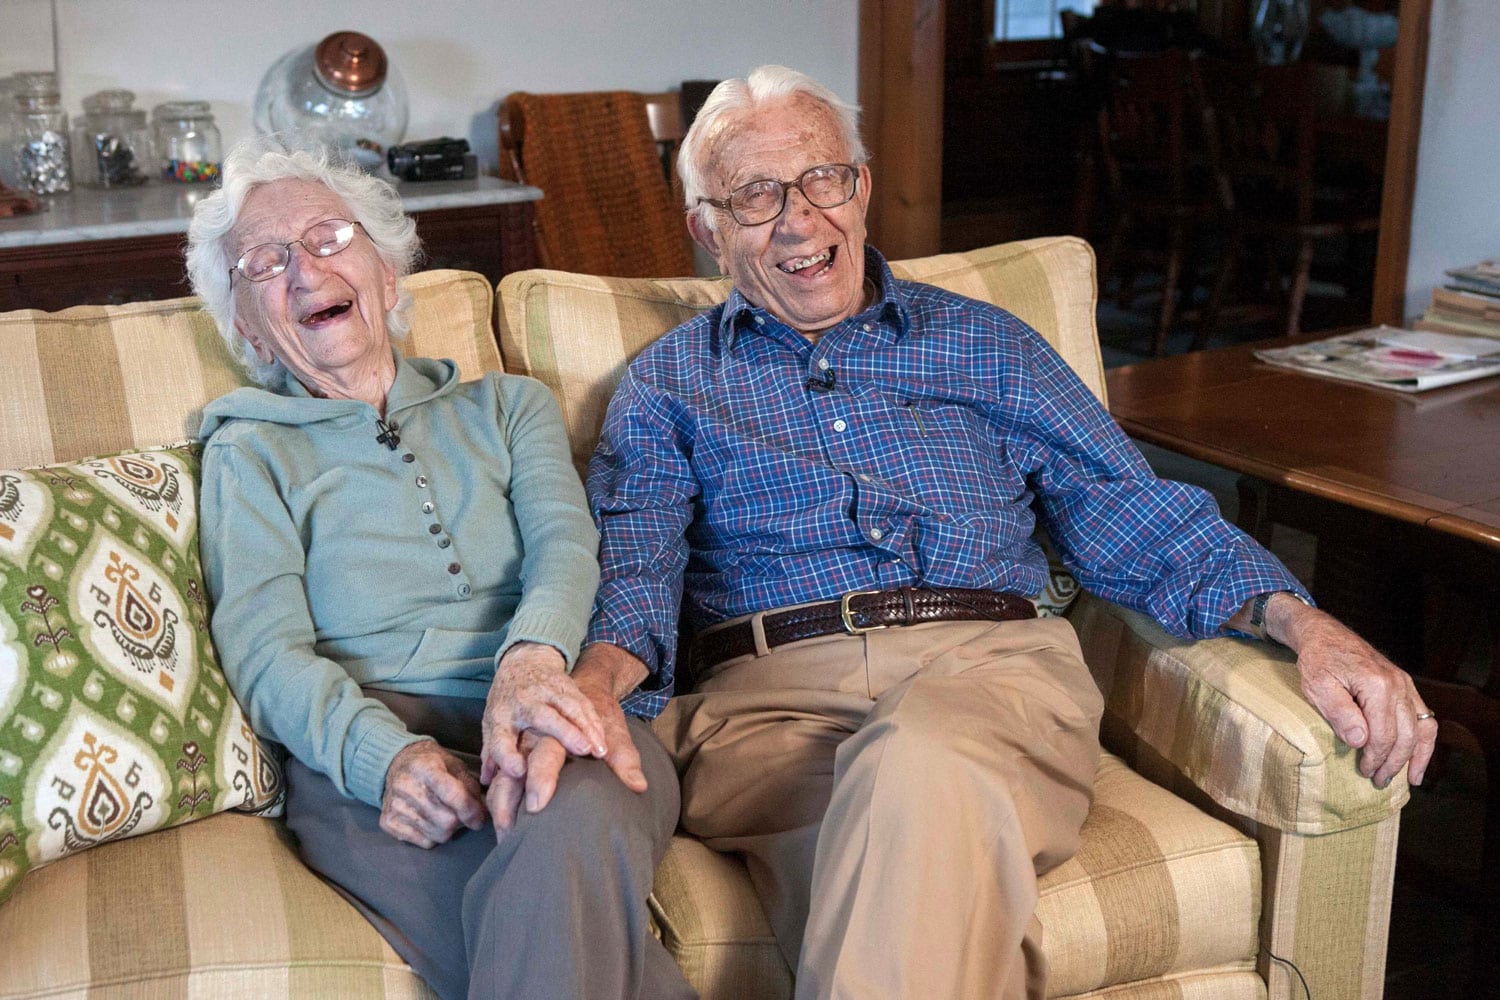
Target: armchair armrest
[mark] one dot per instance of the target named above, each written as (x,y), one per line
(1228,716)
(1223,723)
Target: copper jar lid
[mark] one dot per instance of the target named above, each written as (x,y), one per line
(350,63)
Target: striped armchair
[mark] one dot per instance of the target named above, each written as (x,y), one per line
(1231,837)
(1229,828)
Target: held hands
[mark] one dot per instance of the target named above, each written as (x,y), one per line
(537,715)
(1371,703)
(429,794)
(533,692)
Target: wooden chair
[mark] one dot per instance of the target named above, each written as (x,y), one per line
(664,112)
(1146,147)
(1261,129)
(609,208)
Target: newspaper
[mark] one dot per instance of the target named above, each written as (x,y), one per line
(1393,358)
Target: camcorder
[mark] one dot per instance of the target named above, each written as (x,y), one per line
(433,160)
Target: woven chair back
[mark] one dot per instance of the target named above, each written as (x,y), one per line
(607,209)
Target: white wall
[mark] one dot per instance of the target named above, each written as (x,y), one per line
(1456,212)
(458,58)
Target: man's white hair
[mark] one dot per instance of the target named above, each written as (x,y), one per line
(211,252)
(765,85)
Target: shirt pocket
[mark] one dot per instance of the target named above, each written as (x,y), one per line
(953,455)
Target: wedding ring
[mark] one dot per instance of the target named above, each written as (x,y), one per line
(1424,715)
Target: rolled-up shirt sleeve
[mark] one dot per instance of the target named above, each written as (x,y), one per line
(1157,546)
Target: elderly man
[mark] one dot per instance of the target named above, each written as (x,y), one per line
(833,474)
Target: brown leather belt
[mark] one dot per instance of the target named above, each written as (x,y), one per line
(856,613)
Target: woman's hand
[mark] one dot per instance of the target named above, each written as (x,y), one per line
(532,691)
(429,794)
(604,674)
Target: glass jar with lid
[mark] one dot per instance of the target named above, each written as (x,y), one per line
(111,141)
(343,91)
(188,144)
(41,135)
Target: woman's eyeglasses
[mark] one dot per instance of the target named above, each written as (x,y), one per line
(266,260)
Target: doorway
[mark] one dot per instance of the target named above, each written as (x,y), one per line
(1006,163)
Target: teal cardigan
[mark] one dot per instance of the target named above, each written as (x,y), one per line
(336,561)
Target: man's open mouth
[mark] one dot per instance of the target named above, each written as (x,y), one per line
(323,315)
(809,266)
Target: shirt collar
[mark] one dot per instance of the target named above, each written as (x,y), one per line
(889,306)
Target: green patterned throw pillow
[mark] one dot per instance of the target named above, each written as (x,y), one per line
(115,719)
(1061,589)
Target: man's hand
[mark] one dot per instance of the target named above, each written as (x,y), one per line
(603,675)
(532,691)
(1371,703)
(428,795)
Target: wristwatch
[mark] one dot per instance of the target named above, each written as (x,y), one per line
(1257,626)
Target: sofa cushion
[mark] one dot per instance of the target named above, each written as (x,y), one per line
(92,380)
(710,919)
(1157,890)
(221,908)
(115,719)
(1048,283)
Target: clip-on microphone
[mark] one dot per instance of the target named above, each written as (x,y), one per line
(388,435)
(824,384)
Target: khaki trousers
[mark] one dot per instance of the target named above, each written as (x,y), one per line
(895,796)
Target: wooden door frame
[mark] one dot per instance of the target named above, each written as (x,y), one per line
(1403,139)
(901,94)
(901,56)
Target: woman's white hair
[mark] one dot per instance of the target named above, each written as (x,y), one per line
(211,253)
(764,85)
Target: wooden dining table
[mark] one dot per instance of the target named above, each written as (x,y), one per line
(1430,459)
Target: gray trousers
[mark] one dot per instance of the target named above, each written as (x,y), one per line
(556,909)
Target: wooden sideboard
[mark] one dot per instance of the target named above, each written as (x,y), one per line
(107,247)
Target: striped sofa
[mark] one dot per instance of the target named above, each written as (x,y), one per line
(1232,840)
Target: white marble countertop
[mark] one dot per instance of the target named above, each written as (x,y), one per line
(161,208)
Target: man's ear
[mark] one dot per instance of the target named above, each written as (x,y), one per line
(864,188)
(706,238)
(261,350)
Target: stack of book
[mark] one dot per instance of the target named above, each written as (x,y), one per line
(1469,305)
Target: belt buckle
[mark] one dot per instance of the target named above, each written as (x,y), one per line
(848,616)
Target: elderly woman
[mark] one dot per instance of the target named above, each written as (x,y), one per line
(402,568)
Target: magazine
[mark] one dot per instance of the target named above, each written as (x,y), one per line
(1393,358)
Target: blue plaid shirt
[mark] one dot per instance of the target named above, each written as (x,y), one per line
(727,481)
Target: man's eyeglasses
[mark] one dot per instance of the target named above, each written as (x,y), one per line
(828,185)
(266,260)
